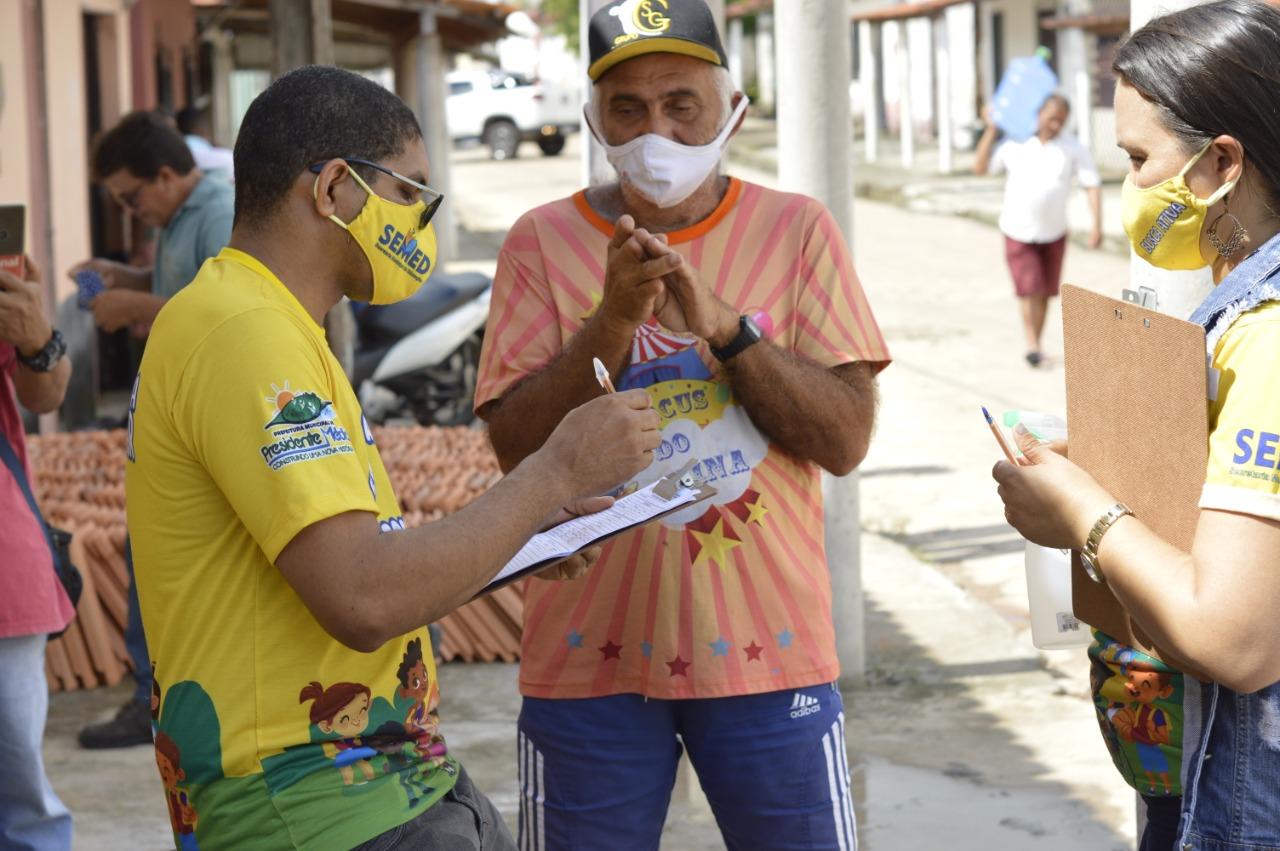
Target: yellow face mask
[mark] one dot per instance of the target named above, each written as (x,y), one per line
(1164,222)
(397,239)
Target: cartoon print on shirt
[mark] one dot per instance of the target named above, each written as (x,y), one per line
(342,710)
(1138,702)
(1142,723)
(400,750)
(701,423)
(182,815)
(420,722)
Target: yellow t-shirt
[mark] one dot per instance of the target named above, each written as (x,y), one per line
(1244,418)
(243,431)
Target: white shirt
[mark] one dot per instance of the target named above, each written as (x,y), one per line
(1039,185)
(210,158)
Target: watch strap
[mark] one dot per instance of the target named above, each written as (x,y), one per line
(48,356)
(748,335)
(1089,555)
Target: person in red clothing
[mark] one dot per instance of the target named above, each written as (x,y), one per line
(33,373)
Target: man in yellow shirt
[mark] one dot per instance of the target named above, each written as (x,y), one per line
(284,601)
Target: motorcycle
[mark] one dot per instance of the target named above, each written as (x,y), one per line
(419,357)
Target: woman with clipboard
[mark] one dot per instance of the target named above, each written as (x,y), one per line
(1198,112)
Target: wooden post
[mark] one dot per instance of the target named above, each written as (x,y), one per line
(302,34)
(430,68)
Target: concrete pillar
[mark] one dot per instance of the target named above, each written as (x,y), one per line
(962,42)
(942,81)
(1082,108)
(766,64)
(872,96)
(1073,59)
(906,118)
(717,12)
(919,35)
(220,106)
(1179,293)
(429,69)
(988,73)
(733,47)
(595,168)
(815,157)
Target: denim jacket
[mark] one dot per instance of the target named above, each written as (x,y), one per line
(1231,787)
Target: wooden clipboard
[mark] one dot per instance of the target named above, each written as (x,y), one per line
(1137,417)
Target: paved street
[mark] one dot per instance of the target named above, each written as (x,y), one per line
(965,737)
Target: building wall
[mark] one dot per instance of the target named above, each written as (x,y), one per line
(68,136)
(164,29)
(1021,35)
(15,152)
(63,105)
(63,185)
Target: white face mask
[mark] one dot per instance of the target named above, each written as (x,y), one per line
(664,171)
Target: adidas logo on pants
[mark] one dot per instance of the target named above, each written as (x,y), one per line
(804,705)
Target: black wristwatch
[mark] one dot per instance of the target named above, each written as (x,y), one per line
(47,358)
(749,334)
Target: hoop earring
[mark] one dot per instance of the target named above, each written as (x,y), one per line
(1234,241)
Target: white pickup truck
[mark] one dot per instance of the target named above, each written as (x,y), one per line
(501,109)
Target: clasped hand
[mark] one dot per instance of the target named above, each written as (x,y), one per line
(645,277)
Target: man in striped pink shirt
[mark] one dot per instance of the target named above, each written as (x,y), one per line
(737,308)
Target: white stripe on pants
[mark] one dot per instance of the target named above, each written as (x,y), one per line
(833,747)
(533,794)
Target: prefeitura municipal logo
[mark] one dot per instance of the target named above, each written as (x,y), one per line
(303,427)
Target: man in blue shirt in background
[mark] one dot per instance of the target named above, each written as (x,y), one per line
(147,167)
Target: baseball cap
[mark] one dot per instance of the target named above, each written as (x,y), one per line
(625,29)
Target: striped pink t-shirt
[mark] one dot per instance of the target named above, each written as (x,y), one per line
(732,596)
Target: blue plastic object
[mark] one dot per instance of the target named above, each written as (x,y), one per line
(1016,105)
(90,284)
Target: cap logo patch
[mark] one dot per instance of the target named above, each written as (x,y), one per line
(641,18)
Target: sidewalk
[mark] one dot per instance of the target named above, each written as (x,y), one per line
(924,189)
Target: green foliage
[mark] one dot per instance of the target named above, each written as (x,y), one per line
(561,17)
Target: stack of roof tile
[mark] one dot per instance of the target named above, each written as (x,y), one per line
(80,485)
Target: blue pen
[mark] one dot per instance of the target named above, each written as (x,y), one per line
(1004,444)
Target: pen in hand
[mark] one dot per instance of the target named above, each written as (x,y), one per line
(1000,438)
(602,375)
